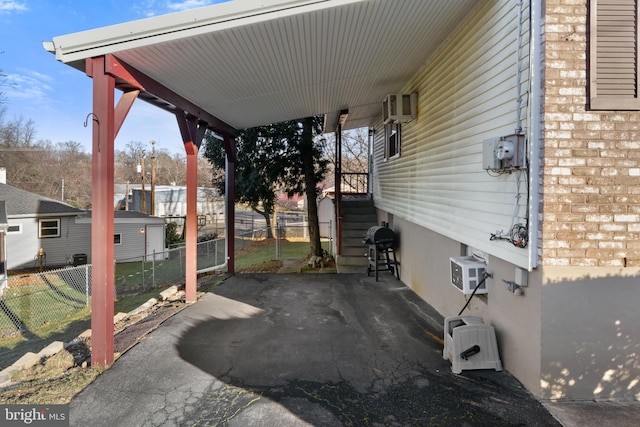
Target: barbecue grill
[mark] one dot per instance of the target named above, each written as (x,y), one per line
(381,254)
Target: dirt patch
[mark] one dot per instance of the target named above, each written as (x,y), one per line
(266,267)
(54,381)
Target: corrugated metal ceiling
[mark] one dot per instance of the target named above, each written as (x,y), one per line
(249,65)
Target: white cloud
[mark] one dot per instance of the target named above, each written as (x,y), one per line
(31,85)
(176,6)
(8,6)
(154,7)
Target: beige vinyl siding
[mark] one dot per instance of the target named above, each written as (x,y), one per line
(466,94)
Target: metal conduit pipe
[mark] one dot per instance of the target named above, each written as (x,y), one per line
(534,119)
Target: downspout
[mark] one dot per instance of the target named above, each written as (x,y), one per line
(226,247)
(229,209)
(535,111)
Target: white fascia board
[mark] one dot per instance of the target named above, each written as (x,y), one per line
(101,41)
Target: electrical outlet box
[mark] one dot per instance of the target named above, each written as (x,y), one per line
(522,277)
(504,153)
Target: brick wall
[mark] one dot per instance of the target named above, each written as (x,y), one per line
(591,167)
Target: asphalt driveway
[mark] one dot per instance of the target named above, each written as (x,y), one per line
(297,350)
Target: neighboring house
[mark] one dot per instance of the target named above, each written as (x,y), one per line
(171,201)
(64,232)
(136,235)
(36,222)
(523,148)
(295,202)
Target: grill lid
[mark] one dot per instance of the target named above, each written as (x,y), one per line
(378,234)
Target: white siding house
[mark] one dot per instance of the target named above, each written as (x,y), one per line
(136,235)
(171,201)
(36,222)
(559,232)
(63,232)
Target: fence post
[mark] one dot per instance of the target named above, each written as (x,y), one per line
(180,257)
(142,265)
(277,241)
(153,270)
(86,282)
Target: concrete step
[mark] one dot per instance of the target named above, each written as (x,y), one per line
(368,219)
(352,260)
(351,269)
(354,234)
(354,250)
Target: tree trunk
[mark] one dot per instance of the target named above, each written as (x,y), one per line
(267,220)
(311,185)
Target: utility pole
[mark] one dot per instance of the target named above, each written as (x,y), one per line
(153,177)
(144,195)
(126,197)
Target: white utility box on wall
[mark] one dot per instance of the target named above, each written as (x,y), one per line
(467,273)
(503,153)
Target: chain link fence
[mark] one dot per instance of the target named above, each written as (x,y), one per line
(33,301)
(162,269)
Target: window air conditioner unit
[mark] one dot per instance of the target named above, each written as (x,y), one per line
(466,273)
(400,107)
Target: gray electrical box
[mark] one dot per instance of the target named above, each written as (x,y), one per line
(503,153)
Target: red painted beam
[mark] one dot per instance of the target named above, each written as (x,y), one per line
(102,249)
(130,76)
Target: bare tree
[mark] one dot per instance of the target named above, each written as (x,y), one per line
(355,150)
(170,168)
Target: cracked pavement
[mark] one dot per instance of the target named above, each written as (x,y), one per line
(302,350)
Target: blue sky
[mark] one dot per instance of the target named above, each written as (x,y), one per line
(57,97)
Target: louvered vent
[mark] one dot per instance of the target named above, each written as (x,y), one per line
(616,46)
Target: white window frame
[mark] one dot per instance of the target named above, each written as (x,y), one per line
(56,228)
(392,140)
(119,238)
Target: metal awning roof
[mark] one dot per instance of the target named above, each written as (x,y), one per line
(250,63)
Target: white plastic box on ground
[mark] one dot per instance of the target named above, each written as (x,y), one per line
(470,344)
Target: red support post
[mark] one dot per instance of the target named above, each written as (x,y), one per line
(102,250)
(191,222)
(191,137)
